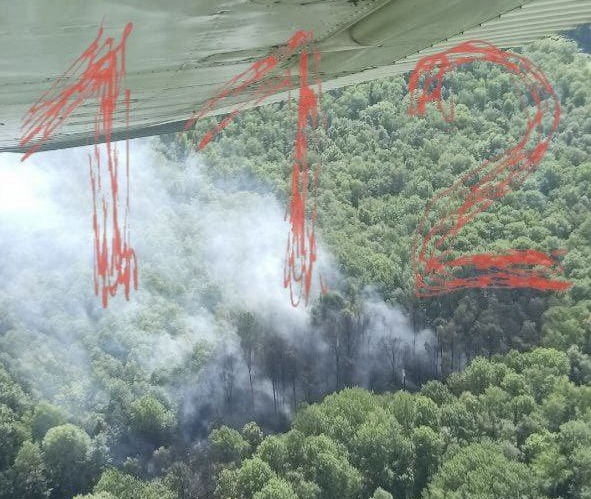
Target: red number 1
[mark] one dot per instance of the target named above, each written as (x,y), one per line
(300,255)
(97,74)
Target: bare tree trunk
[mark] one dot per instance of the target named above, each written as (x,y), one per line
(250,379)
(337,358)
(274,383)
(452,356)
(293,390)
(228,377)
(390,348)
(414,331)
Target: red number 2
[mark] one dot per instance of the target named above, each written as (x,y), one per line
(437,270)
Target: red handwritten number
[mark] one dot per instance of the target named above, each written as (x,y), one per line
(98,73)
(436,270)
(301,244)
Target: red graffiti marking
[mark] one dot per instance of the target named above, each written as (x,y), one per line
(435,269)
(245,81)
(301,244)
(98,73)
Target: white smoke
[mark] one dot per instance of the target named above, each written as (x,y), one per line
(203,251)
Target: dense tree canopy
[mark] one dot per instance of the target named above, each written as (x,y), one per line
(514,426)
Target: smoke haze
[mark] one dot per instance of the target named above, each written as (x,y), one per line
(204,252)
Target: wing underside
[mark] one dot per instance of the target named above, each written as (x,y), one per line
(181,53)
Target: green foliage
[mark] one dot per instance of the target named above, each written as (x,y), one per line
(276,488)
(512,426)
(125,486)
(482,471)
(381,494)
(580,366)
(65,448)
(436,391)
(98,495)
(150,419)
(428,448)
(11,393)
(327,465)
(567,325)
(12,434)
(29,474)
(182,480)
(252,476)
(45,416)
(252,433)
(227,445)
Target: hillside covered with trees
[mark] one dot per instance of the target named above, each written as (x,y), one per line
(209,384)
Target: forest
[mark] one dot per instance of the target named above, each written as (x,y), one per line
(209,384)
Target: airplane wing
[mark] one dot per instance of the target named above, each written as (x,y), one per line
(181,52)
